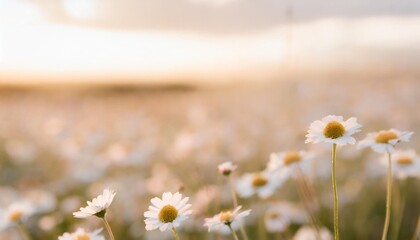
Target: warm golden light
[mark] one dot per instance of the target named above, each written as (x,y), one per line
(32,46)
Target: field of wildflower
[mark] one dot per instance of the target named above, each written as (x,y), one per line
(298,160)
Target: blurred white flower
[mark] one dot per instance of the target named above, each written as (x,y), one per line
(81,234)
(43,201)
(162,178)
(98,206)
(275,221)
(21,152)
(167,213)
(308,233)
(16,213)
(280,214)
(263,184)
(50,222)
(333,129)
(384,141)
(288,160)
(204,197)
(406,163)
(221,221)
(226,168)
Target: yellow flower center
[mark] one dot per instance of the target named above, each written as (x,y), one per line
(334,130)
(405,161)
(15,216)
(82,236)
(168,214)
(291,157)
(226,217)
(259,181)
(385,136)
(273,215)
(226,172)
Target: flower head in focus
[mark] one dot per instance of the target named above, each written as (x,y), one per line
(333,129)
(385,141)
(168,212)
(98,206)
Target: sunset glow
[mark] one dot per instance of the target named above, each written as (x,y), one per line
(34,47)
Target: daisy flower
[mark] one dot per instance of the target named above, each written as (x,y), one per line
(293,163)
(81,234)
(227,221)
(384,141)
(167,213)
(98,206)
(16,214)
(226,168)
(279,216)
(333,129)
(263,184)
(275,221)
(309,233)
(406,163)
(289,160)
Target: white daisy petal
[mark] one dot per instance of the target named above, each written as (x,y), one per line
(97,205)
(385,141)
(332,129)
(167,212)
(223,219)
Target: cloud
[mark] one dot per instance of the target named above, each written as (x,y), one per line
(81,9)
(19,12)
(216,3)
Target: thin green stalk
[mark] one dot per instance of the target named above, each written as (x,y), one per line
(334,183)
(399,205)
(233,232)
(108,228)
(235,205)
(388,199)
(232,191)
(25,231)
(175,233)
(261,230)
(417,230)
(306,199)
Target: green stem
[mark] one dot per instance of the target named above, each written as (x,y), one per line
(235,205)
(108,228)
(25,231)
(417,230)
(261,230)
(388,198)
(306,202)
(232,191)
(399,205)
(334,183)
(233,232)
(175,233)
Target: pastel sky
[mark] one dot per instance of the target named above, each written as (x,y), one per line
(212,40)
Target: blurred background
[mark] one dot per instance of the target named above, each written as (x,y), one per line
(205,41)
(146,96)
